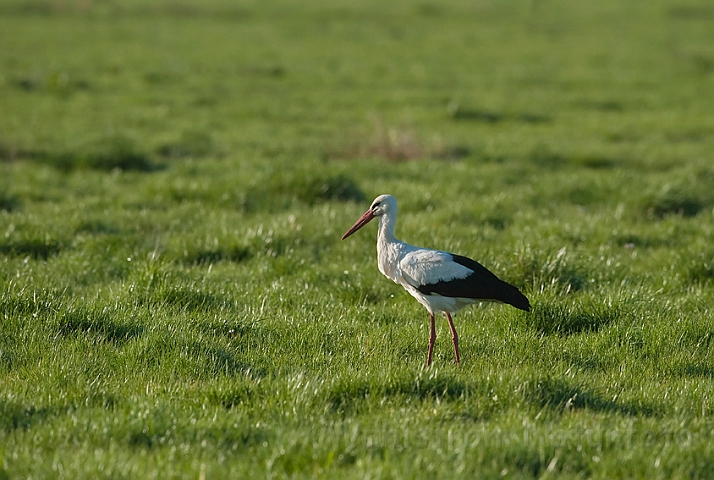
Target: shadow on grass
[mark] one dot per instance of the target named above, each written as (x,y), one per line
(189,145)
(202,359)
(85,322)
(29,8)
(601,105)
(691,12)
(35,248)
(701,273)
(189,299)
(683,205)
(461,113)
(559,395)
(281,191)
(543,157)
(111,153)
(8,203)
(228,12)
(155,429)
(679,200)
(233,394)
(96,227)
(435,387)
(535,460)
(59,83)
(171,9)
(591,362)
(595,162)
(693,370)
(318,189)
(222,361)
(14,416)
(102,399)
(162,428)
(496,217)
(234,254)
(348,394)
(41,302)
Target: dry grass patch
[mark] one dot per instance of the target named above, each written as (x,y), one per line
(395,145)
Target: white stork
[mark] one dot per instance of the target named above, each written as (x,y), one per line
(441,281)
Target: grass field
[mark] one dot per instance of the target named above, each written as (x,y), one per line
(175,178)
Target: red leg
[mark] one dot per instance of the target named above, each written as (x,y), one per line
(432,338)
(454,337)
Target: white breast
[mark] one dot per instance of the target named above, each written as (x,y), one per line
(389,255)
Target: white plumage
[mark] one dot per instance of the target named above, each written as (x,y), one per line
(441,281)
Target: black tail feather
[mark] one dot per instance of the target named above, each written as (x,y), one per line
(516,298)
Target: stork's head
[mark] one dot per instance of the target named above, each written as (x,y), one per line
(382,205)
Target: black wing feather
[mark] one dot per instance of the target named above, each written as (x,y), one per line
(480,285)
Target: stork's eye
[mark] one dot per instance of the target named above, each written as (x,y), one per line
(375,205)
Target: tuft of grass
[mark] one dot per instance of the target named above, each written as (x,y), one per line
(573,316)
(676,200)
(540,271)
(543,157)
(459,112)
(35,248)
(58,83)
(395,145)
(341,188)
(96,325)
(387,143)
(8,202)
(191,144)
(188,299)
(10,152)
(7,152)
(16,416)
(597,162)
(96,227)
(233,394)
(691,12)
(702,273)
(234,254)
(700,267)
(309,188)
(107,154)
(350,394)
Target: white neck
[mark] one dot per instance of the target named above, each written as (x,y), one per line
(385,234)
(389,249)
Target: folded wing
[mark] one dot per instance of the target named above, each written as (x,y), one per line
(434,272)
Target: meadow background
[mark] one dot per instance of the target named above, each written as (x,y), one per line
(175,177)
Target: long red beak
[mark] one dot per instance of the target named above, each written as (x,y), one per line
(363,220)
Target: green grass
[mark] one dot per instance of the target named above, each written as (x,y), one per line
(175,178)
